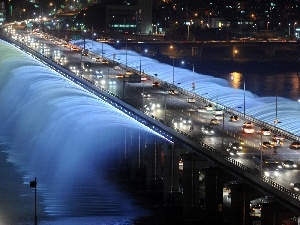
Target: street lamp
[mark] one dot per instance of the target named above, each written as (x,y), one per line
(189,23)
(295,28)
(289,29)
(156,25)
(268,25)
(193,83)
(93,34)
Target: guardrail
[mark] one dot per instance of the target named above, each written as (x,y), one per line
(245,173)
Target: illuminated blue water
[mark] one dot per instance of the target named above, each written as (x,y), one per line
(263,82)
(54,130)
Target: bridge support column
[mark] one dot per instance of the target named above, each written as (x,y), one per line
(192,209)
(240,204)
(138,159)
(214,195)
(274,214)
(171,175)
(153,167)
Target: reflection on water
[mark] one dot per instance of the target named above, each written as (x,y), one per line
(283,84)
(236,79)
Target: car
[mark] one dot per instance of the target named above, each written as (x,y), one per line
(172,92)
(295,145)
(117,68)
(98,71)
(120,76)
(209,107)
(145,95)
(97,59)
(63,58)
(278,137)
(152,106)
(112,81)
(234,118)
(248,129)
(218,117)
(233,152)
(255,210)
(267,144)
(218,112)
(186,120)
(155,84)
(296,186)
(104,61)
(201,109)
(177,123)
(236,145)
(207,130)
(276,142)
(288,164)
(264,131)
(248,124)
(191,100)
(214,122)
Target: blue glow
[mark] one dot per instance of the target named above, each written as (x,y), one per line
(215,89)
(59,132)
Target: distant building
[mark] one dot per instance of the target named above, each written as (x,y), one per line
(2,13)
(145,14)
(123,19)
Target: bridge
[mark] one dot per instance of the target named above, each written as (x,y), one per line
(219,169)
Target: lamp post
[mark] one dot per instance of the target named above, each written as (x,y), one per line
(295,28)
(84,31)
(125,56)
(173,71)
(102,50)
(289,29)
(188,33)
(268,25)
(93,34)
(244,100)
(193,83)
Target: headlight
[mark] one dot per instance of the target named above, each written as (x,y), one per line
(267,174)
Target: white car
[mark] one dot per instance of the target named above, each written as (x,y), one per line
(186,121)
(98,71)
(248,129)
(201,109)
(145,95)
(207,130)
(117,67)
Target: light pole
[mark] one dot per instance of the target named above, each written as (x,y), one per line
(268,25)
(84,31)
(244,100)
(93,34)
(289,29)
(295,28)
(188,33)
(173,71)
(102,50)
(193,83)
(126,57)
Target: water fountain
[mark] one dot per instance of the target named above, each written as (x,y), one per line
(56,131)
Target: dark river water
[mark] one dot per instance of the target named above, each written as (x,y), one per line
(261,78)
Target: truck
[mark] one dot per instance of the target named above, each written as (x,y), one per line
(86,66)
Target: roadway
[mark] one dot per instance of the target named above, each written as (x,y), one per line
(170,107)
